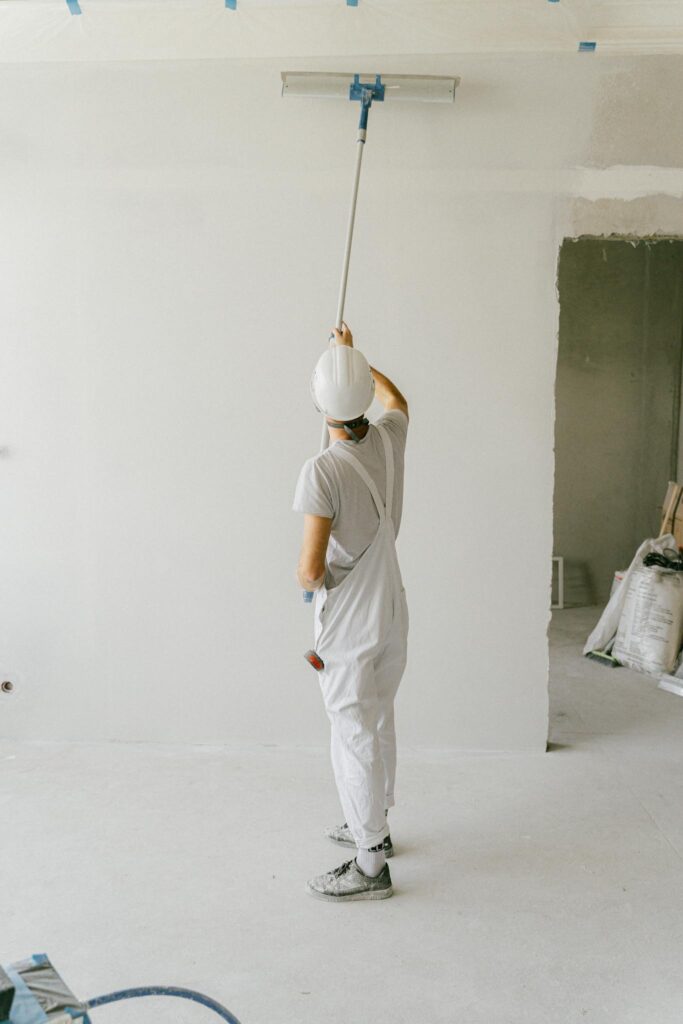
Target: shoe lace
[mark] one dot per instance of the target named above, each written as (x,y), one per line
(342,869)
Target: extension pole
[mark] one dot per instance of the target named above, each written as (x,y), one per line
(360,146)
(362,132)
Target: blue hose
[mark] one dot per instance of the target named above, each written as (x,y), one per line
(164,990)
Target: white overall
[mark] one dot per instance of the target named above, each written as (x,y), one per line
(361,636)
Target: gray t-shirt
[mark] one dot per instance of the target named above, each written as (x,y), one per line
(329,486)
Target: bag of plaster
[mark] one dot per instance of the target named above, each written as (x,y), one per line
(603,635)
(651,624)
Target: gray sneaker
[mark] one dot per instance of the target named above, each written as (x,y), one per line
(341,834)
(348,882)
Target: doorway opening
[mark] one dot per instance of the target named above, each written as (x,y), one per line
(618,396)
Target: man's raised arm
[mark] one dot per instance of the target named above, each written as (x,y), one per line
(387,394)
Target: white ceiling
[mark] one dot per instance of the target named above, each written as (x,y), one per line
(308,29)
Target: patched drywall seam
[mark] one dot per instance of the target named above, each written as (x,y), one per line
(644,216)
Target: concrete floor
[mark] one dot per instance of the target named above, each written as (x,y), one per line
(530,889)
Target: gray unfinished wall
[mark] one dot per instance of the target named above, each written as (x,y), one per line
(618,388)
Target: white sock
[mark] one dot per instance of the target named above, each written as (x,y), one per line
(371,861)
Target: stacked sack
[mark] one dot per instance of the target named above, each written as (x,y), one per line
(642,625)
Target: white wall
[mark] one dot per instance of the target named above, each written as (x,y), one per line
(169,258)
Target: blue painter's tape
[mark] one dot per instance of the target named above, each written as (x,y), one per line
(74,7)
(587,47)
(352,3)
(231,5)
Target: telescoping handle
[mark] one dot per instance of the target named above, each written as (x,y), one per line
(366,97)
(360,146)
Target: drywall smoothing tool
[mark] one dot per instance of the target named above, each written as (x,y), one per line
(366,90)
(33,992)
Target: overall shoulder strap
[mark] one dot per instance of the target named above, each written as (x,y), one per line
(346,455)
(389,455)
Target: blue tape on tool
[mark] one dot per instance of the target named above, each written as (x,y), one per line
(74,7)
(352,3)
(231,5)
(587,47)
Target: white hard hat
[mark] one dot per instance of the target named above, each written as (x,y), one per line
(342,385)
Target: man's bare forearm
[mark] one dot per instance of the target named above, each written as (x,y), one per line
(387,393)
